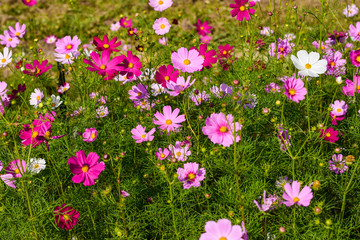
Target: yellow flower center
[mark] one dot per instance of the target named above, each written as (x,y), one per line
(296,199)
(17,34)
(357,59)
(167,78)
(322,47)
(358,87)
(143,136)
(106,45)
(92,135)
(102,67)
(281,49)
(273,89)
(67,56)
(202,28)
(47,134)
(131,65)
(162,26)
(125,23)
(242,8)
(338,110)
(16,171)
(178,154)
(85,168)
(223,238)
(139,94)
(292,92)
(162,155)
(328,135)
(36,166)
(38,70)
(187,62)
(191,176)
(3,60)
(68,47)
(332,63)
(64,89)
(131,32)
(168,122)
(66,217)
(224,52)
(34,134)
(102,114)
(161,2)
(10,39)
(307,66)
(200,99)
(223,129)
(359,33)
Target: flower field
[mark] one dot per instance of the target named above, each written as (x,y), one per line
(179,119)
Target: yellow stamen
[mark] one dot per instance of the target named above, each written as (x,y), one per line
(167,78)
(223,238)
(162,26)
(34,134)
(10,39)
(47,134)
(85,168)
(223,129)
(187,62)
(17,34)
(202,28)
(66,217)
(332,64)
(178,154)
(143,136)
(296,199)
(191,176)
(68,47)
(338,110)
(292,92)
(168,122)
(93,135)
(17,171)
(3,60)
(307,66)
(224,52)
(328,135)
(162,155)
(161,2)
(131,65)
(242,8)
(106,45)
(357,59)
(102,67)
(67,56)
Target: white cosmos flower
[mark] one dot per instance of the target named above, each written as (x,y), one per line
(5,58)
(309,64)
(35,97)
(55,101)
(36,165)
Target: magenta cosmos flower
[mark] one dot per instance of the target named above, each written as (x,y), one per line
(140,135)
(161,26)
(37,68)
(166,74)
(66,217)
(105,44)
(90,135)
(130,65)
(329,134)
(355,58)
(221,129)
(18,31)
(29,2)
(17,168)
(223,230)
(187,61)
(242,9)
(104,66)
(191,175)
(294,89)
(160,5)
(292,195)
(203,28)
(125,22)
(352,86)
(67,45)
(86,168)
(170,120)
(208,56)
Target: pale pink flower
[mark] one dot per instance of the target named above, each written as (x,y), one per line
(292,194)
(140,135)
(170,120)
(222,229)
(161,26)
(187,61)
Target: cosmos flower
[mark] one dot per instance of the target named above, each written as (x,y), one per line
(272,88)
(161,26)
(124,194)
(268,203)
(209,56)
(9,41)
(138,92)
(17,168)
(339,108)
(37,69)
(354,58)
(170,120)
(140,135)
(222,229)
(5,58)
(115,26)
(66,217)
(351,10)
(329,134)
(18,31)
(354,32)
(105,44)
(102,111)
(64,88)
(309,64)
(221,129)
(284,48)
(35,97)
(8,179)
(292,194)
(163,41)
(223,91)
(166,74)
(160,5)
(29,2)
(187,61)
(130,65)
(55,101)
(163,154)
(242,9)
(90,135)
(125,22)
(205,39)
(284,138)
(179,152)
(335,65)
(338,164)
(336,118)
(181,85)
(67,58)
(67,45)
(50,39)
(36,165)
(289,36)
(204,28)
(86,168)
(199,98)
(294,89)
(191,175)
(266,31)
(352,86)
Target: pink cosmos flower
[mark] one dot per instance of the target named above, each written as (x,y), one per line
(191,175)
(29,2)
(294,89)
(9,41)
(66,217)
(336,118)
(124,194)
(355,58)
(130,65)
(90,135)
(163,154)
(160,5)
(224,51)
(284,48)
(166,74)
(138,92)
(18,31)
(161,26)
(351,10)
(8,179)
(163,41)
(266,31)
(223,91)
(64,88)
(179,152)
(67,45)
(102,111)
(354,32)
(335,65)
(200,97)
(140,135)
(329,134)
(272,88)
(209,57)
(187,61)
(268,203)
(181,85)
(339,108)
(242,9)
(221,129)
(104,66)
(338,164)
(125,22)
(222,229)
(352,86)
(86,168)
(205,39)
(203,28)
(115,26)
(37,68)
(105,44)
(50,39)
(17,168)
(170,120)
(292,194)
